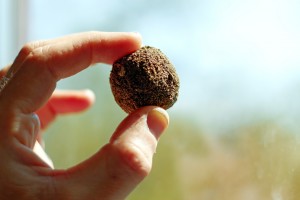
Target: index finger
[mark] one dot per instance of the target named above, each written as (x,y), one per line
(35,80)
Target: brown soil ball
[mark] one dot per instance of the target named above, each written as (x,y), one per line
(143,78)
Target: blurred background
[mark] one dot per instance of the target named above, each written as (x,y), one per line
(234,132)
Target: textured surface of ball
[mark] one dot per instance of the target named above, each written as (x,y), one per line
(144,78)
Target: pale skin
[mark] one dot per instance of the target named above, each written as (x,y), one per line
(29,103)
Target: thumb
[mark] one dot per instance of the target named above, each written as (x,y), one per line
(123,163)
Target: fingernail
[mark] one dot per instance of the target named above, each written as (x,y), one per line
(158,121)
(139,35)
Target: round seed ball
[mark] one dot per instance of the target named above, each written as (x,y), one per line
(144,78)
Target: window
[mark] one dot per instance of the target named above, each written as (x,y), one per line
(234,132)
(13,31)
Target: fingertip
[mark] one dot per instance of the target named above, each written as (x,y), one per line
(71,101)
(138,37)
(89,96)
(156,121)
(135,36)
(124,43)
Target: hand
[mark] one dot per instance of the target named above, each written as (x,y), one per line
(28,104)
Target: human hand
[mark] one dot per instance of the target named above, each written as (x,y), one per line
(116,169)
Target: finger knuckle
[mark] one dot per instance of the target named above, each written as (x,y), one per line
(134,160)
(38,57)
(27,49)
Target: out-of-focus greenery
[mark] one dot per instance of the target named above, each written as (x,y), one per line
(257,160)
